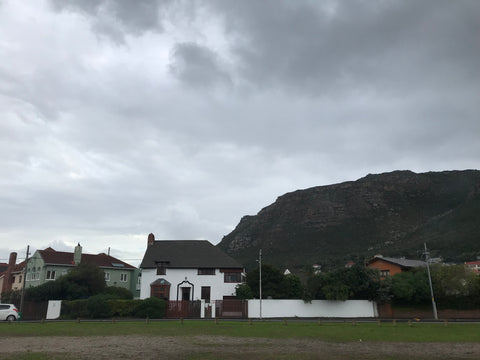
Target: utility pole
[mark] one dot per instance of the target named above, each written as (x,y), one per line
(430,281)
(260,280)
(24,280)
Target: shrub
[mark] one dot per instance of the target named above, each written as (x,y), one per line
(117,292)
(152,308)
(74,309)
(98,307)
(123,308)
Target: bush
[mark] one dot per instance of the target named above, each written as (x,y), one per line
(123,308)
(152,308)
(117,292)
(74,309)
(103,306)
(98,307)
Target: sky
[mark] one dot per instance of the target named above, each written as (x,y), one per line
(122,118)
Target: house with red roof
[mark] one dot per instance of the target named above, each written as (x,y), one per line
(11,275)
(49,264)
(474,266)
(391,266)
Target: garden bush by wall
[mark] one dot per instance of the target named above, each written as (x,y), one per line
(98,307)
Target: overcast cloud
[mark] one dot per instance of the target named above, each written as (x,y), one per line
(122,118)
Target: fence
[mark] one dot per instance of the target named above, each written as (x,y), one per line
(34,310)
(183,309)
(231,308)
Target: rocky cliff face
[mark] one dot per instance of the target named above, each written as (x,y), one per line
(390,214)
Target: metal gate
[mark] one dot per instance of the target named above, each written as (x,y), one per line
(231,308)
(183,309)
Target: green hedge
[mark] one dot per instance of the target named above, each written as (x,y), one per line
(101,306)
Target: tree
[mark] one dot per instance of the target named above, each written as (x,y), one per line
(456,286)
(275,285)
(356,282)
(243,292)
(81,282)
(411,287)
(88,275)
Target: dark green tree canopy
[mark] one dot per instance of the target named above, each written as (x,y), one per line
(81,282)
(275,285)
(357,283)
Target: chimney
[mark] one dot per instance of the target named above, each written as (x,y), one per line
(7,282)
(151,239)
(77,255)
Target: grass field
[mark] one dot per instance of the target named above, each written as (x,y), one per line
(208,340)
(328,331)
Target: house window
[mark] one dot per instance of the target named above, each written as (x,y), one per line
(232,277)
(123,277)
(50,275)
(206,293)
(162,268)
(107,276)
(384,273)
(206,271)
(20,279)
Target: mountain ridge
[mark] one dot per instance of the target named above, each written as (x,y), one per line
(391,213)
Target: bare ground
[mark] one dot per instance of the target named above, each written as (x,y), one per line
(219,347)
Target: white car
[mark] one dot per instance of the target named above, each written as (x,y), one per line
(8,312)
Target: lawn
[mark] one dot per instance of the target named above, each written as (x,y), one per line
(238,340)
(327,331)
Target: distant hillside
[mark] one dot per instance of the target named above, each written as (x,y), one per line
(391,214)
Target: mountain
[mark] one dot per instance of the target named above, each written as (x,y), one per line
(391,214)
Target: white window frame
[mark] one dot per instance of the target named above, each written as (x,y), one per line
(51,274)
(123,277)
(107,276)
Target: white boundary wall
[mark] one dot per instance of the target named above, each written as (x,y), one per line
(317,308)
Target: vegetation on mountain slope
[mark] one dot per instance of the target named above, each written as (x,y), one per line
(391,214)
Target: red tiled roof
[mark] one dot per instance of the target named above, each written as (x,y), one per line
(472,263)
(50,256)
(19,267)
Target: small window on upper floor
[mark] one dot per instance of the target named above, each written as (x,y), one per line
(162,268)
(123,277)
(50,275)
(233,277)
(206,271)
(107,276)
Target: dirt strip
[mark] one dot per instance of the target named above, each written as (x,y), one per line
(214,347)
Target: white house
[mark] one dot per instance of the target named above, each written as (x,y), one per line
(188,270)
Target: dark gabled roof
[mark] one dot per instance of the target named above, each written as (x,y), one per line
(186,254)
(402,262)
(50,256)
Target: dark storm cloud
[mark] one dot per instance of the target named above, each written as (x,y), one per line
(198,66)
(388,45)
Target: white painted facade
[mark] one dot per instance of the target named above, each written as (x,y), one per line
(176,277)
(315,309)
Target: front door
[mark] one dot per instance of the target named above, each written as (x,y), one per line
(206,293)
(160,291)
(186,293)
